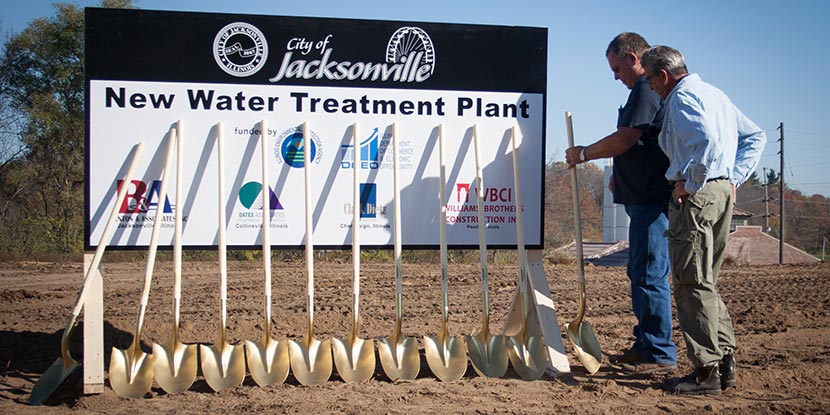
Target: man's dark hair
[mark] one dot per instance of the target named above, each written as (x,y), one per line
(627,42)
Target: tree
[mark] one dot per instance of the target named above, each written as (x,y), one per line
(559,214)
(773,178)
(753,180)
(42,87)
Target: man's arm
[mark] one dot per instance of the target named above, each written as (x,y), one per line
(611,145)
(751,141)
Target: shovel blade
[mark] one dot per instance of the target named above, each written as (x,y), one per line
(489,357)
(311,360)
(586,345)
(131,372)
(267,361)
(223,365)
(448,358)
(528,356)
(400,360)
(174,366)
(51,380)
(354,360)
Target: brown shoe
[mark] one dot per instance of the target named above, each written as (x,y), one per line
(645,368)
(630,356)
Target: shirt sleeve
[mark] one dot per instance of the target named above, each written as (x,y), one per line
(693,132)
(751,141)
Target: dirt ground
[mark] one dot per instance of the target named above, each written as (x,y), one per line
(780,315)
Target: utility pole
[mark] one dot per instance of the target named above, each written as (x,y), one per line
(766,202)
(781,199)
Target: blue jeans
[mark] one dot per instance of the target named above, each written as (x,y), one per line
(648,270)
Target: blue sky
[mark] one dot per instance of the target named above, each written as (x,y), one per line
(770,57)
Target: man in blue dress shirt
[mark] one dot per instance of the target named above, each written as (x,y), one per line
(712,148)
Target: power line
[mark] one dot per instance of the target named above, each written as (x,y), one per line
(809,133)
(809,184)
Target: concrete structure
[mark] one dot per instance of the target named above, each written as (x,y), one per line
(614,219)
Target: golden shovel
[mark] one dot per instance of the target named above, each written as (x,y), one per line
(446,355)
(398,353)
(223,364)
(487,352)
(310,358)
(526,350)
(581,333)
(355,358)
(267,358)
(63,366)
(131,370)
(175,364)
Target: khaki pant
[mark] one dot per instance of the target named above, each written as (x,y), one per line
(698,229)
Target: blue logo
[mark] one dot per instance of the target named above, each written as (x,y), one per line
(368,200)
(291,147)
(368,153)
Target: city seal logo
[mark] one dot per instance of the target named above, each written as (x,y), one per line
(240,49)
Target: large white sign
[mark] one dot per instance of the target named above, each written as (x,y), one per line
(292,79)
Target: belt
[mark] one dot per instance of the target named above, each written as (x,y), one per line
(714,179)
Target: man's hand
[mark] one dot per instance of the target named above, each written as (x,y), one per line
(575,155)
(679,191)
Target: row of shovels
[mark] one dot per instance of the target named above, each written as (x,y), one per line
(174,365)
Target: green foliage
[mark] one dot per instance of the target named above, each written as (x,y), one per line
(377,256)
(772,178)
(246,255)
(42,86)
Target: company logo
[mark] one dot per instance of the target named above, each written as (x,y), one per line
(409,57)
(368,153)
(141,199)
(240,49)
(250,195)
(290,147)
(368,203)
(491,194)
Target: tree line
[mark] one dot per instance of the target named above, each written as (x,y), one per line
(42,143)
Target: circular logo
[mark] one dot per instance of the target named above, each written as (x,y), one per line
(408,43)
(293,150)
(240,49)
(291,147)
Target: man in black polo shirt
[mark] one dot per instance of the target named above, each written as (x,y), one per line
(640,185)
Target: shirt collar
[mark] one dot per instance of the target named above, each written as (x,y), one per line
(689,78)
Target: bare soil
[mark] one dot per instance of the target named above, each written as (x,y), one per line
(780,315)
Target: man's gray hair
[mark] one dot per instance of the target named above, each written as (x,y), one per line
(625,43)
(665,58)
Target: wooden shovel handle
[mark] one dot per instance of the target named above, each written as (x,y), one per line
(102,244)
(577,214)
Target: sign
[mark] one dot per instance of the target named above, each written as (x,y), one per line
(150,71)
